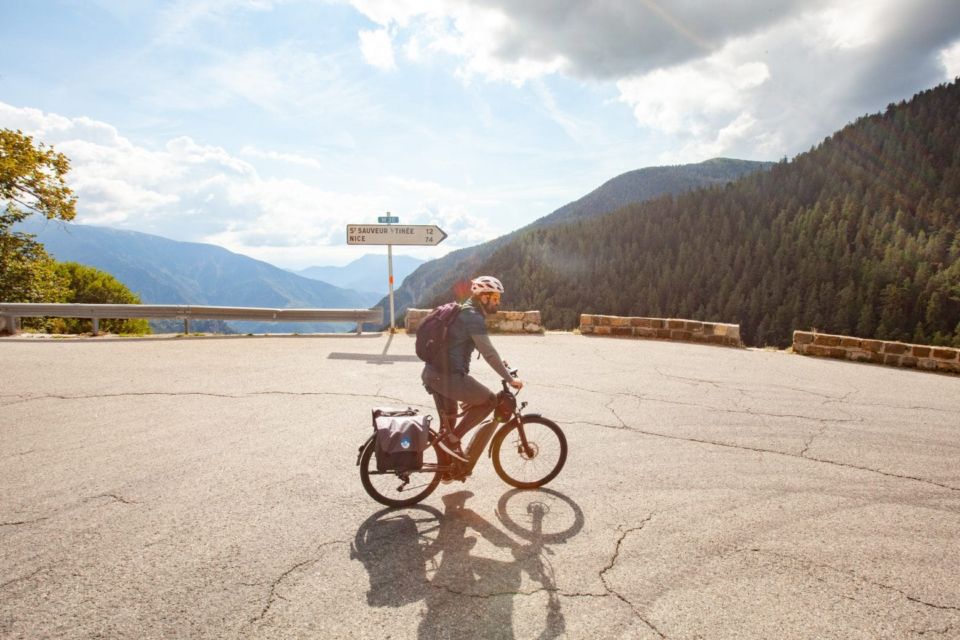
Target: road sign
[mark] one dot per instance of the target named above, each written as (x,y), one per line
(390,234)
(388,219)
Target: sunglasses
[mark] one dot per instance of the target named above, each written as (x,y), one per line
(494,297)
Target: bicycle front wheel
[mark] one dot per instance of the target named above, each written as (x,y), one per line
(398,489)
(536,464)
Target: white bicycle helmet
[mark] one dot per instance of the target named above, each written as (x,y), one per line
(485,284)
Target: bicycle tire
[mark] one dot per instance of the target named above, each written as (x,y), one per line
(377,485)
(523,472)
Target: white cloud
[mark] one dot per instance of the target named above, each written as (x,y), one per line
(289,158)
(950,58)
(696,98)
(738,77)
(377,49)
(189,191)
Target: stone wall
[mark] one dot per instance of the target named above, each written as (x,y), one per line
(898,354)
(661,328)
(500,322)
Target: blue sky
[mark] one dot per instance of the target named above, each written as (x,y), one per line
(266,126)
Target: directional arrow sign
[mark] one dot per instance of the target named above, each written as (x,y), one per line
(423,234)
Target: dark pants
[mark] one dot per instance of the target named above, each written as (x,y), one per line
(452,388)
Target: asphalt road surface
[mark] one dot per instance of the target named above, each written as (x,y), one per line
(207,487)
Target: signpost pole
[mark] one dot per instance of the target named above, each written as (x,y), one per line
(393,328)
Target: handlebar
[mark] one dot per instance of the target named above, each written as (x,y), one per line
(514,373)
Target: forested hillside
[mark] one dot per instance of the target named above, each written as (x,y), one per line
(860,235)
(435,278)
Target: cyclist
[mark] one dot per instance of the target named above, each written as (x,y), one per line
(452,382)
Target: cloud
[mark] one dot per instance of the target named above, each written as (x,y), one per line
(759,79)
(950,58)
(377,49)
(191,191)
(186,190)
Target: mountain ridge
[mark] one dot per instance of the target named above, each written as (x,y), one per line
(858,236)
(435,279)
(165,271)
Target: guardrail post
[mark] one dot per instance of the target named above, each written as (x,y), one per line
(359,324)
(96,326)
(186,326)
(10,324)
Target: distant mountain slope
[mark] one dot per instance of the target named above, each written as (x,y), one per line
(367,273)
(164,271)
(434,279)
(860,235)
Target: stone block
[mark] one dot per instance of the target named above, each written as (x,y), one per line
(816,350)
(909,361)
(643,332)
(603,321)
(675,324)
(896,348)
(646,323)
(532,317)
(532,327)
(848,342)
(837,352)
(950,367)
(872,345)
(945,354)
(586,320)
(802,337)
(622,331)
(921,351)
(680,334)
(693,326)
(620,321)
(928,364)
(586,329)
(663,333)
(891,359)
(602,330)
(825,340)
(708,329)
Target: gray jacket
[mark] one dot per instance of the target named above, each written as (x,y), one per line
(469,332)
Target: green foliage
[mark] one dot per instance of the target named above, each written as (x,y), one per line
(860,235)
(31,181)
(85,284)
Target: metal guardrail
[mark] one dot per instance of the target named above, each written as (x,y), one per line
(11,312)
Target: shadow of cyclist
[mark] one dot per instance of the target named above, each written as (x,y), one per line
(418,554)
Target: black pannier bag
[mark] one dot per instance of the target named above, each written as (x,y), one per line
(401,436)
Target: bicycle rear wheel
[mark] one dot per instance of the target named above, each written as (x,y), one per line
(535,466)
(398,489)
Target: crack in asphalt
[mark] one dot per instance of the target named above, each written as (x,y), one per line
(177,394)
(112,496)
(806,445)
(273,596)
(939,632)
(610,592)
(613,562)
(728,445)
(848,572)
(17,523)
(22,578)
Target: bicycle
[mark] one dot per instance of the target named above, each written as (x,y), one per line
(527,451)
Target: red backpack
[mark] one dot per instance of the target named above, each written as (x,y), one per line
(432,333)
